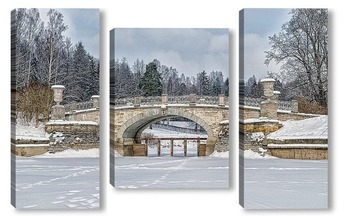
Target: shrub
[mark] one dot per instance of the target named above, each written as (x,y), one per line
(34,102)
(306,105)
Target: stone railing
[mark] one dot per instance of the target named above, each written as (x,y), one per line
(93,103)
(282,105)
(192,99)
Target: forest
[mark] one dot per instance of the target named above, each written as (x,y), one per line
(43,56)
(46,57)
(155,79)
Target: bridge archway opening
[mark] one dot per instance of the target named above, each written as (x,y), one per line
(153,133)
(173,136)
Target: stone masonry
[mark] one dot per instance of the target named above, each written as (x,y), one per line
(127,123)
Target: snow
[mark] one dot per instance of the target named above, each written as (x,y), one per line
(297,145)
(60,122)
(224,122)
(312,128)
(57,87)
(164,133)
(258,120)
(225,154)
(171,172)
(285,184)
(56,183)
(70,153)
(30,132)
(32,145)
(249,154)
(268,80)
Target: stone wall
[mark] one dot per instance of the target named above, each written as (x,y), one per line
(27,147)
(84,115)
(222,144)
(29,150)
(300,153)
(254,112)
(72,135)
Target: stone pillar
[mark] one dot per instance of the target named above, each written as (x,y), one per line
(192,99)
(165,99)
(222,100)
(137,101)
(268,107)
(295,108)
(95,101)
(58,111)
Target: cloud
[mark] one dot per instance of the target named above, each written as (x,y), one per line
(255,46)
(83,25)
(188,50)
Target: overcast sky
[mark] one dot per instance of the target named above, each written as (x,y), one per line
(258,25)
(188,50)
(83,25)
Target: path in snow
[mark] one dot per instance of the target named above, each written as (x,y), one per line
(57,183)
(172,172)
(285,184)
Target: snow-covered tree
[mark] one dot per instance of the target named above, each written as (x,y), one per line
(150,83)
(302,48)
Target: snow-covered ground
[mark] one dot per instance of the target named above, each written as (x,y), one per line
(57,183)
(30,132)
(275,183)
(171,172)
(64,180)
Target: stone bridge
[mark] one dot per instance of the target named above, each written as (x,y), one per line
(129,118)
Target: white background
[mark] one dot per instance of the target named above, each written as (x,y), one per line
(186,13)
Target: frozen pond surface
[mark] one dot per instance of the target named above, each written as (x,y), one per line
(57,183)
(285,184)
(172,172)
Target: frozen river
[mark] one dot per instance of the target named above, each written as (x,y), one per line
(56,183)
(171,172)
(285,184)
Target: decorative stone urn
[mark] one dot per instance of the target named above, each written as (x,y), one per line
(267,84)
(95,100)
(58,111)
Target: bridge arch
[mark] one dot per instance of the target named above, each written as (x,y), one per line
(127,124)
(134,126)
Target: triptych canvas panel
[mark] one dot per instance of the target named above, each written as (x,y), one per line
(169,108)
(283,121)
(55,108)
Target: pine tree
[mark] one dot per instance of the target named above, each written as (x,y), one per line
(203,86)
(150,83)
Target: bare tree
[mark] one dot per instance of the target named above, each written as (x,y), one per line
(302,48)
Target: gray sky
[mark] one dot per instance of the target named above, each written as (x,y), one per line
(188,50)
(83,25)
(258,25)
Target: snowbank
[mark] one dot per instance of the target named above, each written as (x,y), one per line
(249,154)
(259,120)
(30,132)
(312,128)
(90,153)
(225,154)
(60,122)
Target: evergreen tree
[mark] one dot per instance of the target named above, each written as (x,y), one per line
(151,82)
(203,86)
(216,87)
